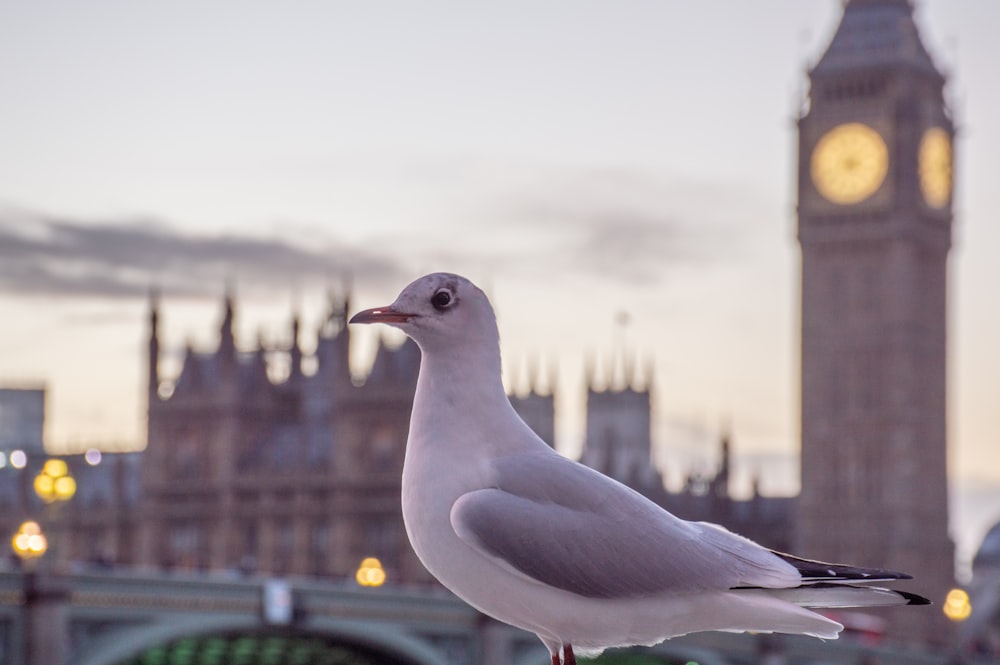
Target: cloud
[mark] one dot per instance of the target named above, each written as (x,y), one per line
(623,226)
(620,243)
(620,226)
(55,256)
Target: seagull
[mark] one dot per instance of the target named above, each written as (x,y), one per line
(541,542)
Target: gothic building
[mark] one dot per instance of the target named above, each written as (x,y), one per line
(294,472)
(619,427)
(276,461)
(285,472)
(874,226)
(535,405)
(619,443)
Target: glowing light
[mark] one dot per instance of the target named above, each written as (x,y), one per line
(370,573)
(29,542)
(44,485)
(55,468)
(92,457)
(18,459)
(54,482)
(935,164)
(65,487)
(3,460)
(957,606)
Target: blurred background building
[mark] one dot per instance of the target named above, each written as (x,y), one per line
(254,464)
(271,460)
(875,216)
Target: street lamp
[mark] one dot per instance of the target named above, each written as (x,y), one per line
(370,573)
(54,483)
(54,486)
(46,593)
(29,542)
(46,601)
(957,605)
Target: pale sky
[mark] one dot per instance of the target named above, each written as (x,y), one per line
(578,159)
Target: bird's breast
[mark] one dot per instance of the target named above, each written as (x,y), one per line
(432,482)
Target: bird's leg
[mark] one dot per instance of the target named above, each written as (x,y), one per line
(568,658)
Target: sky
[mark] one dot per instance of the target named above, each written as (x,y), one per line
(619,177)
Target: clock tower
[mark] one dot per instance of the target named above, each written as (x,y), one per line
(874,225)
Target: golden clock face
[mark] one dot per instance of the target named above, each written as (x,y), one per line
(849,163)
(934,161)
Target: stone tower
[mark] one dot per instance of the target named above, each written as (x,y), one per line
(619,428)
(874,225)
(537,406)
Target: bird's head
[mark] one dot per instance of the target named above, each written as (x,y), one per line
(440,311)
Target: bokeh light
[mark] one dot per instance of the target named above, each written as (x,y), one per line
(54,483)
(957,605)
(370,573)
(18,459)
(29,542)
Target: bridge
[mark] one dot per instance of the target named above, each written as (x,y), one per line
(145,618)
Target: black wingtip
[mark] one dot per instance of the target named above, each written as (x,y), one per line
(820,570)
(913,599)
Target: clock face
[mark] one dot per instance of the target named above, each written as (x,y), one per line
(849,163)
(934,161)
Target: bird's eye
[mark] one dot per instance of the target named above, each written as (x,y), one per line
(442,300)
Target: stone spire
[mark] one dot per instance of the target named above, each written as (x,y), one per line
(875,34)
(227,340)
(295,350)
(153,375)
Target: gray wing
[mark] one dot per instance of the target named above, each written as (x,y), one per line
(566,525)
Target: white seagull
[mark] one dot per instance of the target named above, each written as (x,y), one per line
(546,544)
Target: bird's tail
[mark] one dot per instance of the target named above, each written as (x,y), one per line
(840,595)
(834,585)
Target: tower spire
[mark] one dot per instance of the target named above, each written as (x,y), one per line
(295,350)
(628,369)
(589,371)
(874,34)
(532,370)
(153,366)
(227,339)
(725,462)
(650,378)
(514,378)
